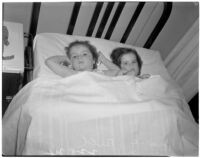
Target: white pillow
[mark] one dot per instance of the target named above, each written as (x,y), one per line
(50,44)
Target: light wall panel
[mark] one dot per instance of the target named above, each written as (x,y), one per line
(54,17)
(18,12)
(84,18)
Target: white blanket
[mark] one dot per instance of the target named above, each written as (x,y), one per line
(93,114)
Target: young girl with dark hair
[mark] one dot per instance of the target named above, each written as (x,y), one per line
(127,60)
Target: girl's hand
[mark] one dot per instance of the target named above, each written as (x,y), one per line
(99,53)
(125,72)
(121,72)
(144,76)
(65,63)
(104,60)
(130,73)
(100,56)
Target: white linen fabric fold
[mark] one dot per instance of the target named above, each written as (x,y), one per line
(92,114)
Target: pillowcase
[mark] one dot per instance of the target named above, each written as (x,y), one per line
(51,44)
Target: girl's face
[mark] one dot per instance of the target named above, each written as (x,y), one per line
(129,63)
(81,58)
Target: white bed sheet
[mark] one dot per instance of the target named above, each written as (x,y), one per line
(50,44)
(93,114)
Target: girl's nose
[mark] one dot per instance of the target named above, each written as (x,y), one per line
(80,57)
(130,65)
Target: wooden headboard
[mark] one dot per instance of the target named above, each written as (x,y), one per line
(136,23)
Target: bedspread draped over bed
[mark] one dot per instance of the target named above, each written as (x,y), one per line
(92,114)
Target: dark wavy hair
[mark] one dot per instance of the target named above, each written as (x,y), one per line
(117,54)
(87,44)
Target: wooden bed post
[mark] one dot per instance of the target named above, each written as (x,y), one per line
(34,21)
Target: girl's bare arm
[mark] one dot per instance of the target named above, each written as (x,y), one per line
(56,64)
(107,63)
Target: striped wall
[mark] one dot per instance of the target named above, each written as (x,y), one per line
(126,22)
(121,24)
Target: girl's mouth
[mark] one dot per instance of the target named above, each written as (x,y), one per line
(80,62)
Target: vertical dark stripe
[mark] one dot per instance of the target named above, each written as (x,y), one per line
(34,20)
(132,22)
(104,19)
(115,19)
(3,5)
(163,19)
(74,16)
(94,18)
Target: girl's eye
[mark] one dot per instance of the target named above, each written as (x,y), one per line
(85,54)
(74,57)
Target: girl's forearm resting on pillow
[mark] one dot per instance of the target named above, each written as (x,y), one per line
(59,59)
(55,63)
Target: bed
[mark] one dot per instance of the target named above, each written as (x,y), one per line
(92,114)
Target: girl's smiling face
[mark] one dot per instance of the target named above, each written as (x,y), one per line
(81,58)
(129,63)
